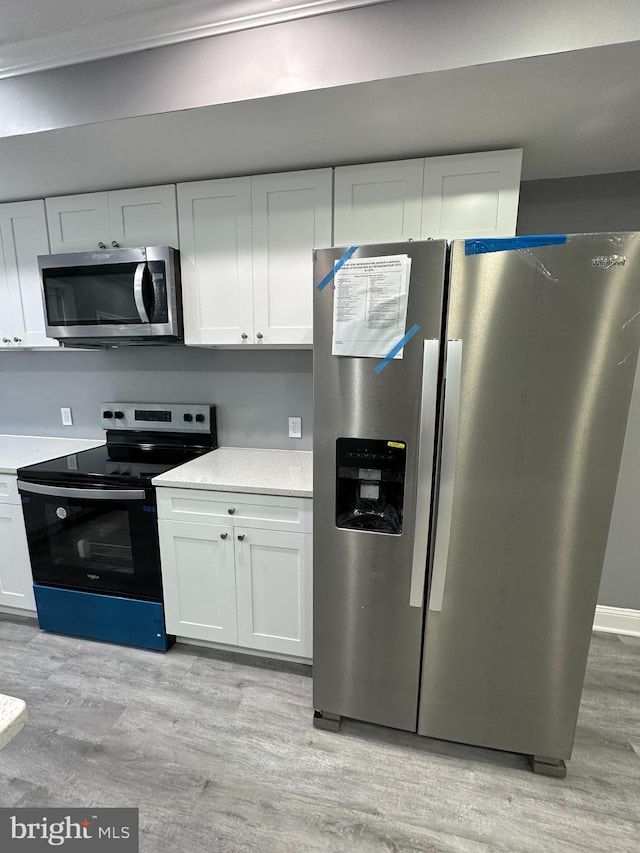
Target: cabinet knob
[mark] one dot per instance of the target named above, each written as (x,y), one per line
(259,336)
(115,244)
(223,535)
(231,510)
(241,537)
(18,340)
(101,245)
(244,336)
(6,340)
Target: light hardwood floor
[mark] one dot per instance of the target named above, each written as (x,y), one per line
(219,754)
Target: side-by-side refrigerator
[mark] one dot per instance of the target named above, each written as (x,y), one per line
(463,492)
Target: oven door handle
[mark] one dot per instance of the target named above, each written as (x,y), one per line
(87,494)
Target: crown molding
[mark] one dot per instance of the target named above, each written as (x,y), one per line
(158,28)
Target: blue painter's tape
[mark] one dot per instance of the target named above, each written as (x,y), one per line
(338,265)
(396,349)
(507,244)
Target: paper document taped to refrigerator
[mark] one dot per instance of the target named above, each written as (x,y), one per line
(370,305)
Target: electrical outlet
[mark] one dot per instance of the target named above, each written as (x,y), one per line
(295,427)
(66,417)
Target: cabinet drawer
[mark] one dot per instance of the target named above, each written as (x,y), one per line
(273,512)
(9,489)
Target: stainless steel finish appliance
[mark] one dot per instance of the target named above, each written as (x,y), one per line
(92,528)
(472,621)
(113,297)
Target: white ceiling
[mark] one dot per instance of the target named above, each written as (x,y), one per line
(40,34)
(573,113)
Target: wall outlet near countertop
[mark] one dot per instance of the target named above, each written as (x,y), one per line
(295,427)
(65,414)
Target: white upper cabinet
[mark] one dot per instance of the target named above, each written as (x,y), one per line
(23,236)
(144,217)
(128,218)
(471,195)
(247,261)
(217,288)
(378,202)
(291,215)
(462,195)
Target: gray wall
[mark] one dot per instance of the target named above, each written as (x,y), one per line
(601,203)
(575,205)
(254,392)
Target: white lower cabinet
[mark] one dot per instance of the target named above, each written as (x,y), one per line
(240,580)
(273,588)
(198,576)
(16,581)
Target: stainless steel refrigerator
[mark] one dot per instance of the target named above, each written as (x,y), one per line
(463,493)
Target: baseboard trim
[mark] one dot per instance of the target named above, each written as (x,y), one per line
(617,620)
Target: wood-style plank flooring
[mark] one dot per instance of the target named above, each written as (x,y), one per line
(219,754)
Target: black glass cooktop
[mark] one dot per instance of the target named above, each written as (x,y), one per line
(114,465)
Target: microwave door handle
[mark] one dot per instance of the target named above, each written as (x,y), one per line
(430,357)
(451,419)
(88,494)
(138,293)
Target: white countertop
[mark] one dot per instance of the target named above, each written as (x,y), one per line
(249,470)
(16,451)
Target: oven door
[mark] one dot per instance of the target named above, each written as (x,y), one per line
(94,539)
(125,293)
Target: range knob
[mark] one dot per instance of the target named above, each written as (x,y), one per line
(199,418)
(107,414)
(118,415)
(188,417)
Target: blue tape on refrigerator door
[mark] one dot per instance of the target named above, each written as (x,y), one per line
(338,266)
(34,830)
(396,349)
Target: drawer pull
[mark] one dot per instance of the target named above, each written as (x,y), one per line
(231,510)
(241,537)
(223,535)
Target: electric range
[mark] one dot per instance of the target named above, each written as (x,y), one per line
(92,525)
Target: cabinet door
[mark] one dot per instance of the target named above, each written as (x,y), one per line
(291,215)
(198,578)
(378,202)
(16,581)
(215,237)
(274,588)
(471,195)
(23,236)
(144,217)
(7,280)
(78,223)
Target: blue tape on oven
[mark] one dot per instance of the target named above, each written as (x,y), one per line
(396,349)
(338,265)
(146,508)
(508,244)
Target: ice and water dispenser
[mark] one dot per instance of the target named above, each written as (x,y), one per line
(370,475)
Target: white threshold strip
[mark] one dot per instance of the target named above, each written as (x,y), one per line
(617,620)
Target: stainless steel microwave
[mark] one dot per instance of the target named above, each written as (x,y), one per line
(113,297)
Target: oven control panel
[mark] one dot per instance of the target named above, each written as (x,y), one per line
(177,417)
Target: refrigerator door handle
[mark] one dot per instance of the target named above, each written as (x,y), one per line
(425,469)
(453,379)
